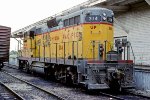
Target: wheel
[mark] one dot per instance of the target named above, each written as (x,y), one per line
(20,65)
(26,65)
(46,72)
(115,86)
(28,71)
(1,65)
(69,80)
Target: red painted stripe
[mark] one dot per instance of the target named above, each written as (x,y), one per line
(125,61)
(77,25)
(120,61)
(98,23)
(95,61)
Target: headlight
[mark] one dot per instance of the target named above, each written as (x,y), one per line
(104,14)
(104,18)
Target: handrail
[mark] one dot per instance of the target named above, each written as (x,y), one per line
(133,53)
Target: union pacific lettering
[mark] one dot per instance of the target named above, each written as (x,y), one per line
(71,36)
(75,36)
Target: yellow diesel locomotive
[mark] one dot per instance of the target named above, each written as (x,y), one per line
(78,47)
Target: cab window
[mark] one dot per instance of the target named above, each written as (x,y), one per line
(66,22)
(77,19)
(110,19)
(71,21)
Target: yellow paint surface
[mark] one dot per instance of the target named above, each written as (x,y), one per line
(75,40)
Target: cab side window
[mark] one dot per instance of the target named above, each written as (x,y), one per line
(77,19)
(110,19)
(71,21)
(66,22)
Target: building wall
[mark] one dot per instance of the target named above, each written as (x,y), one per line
(13,60)
(137,23)
(142,79)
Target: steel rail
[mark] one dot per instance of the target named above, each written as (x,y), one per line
(125,95)
(55,95)
(12,67)
(148,97)
(112,96)
(13,92)
(106,94)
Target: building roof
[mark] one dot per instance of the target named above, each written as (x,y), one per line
(116,5)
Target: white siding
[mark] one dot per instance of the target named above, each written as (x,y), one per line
(138,24)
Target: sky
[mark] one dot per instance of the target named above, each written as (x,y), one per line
(20,13)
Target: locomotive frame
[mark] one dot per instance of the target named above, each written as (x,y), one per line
(78,48)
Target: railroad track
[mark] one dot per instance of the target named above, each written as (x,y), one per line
(8,93)
(112,96)
(126,96)
(11,66)
(25,90)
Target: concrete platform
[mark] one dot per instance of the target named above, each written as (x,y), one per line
(146,68)
(140,92)
(142,80)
